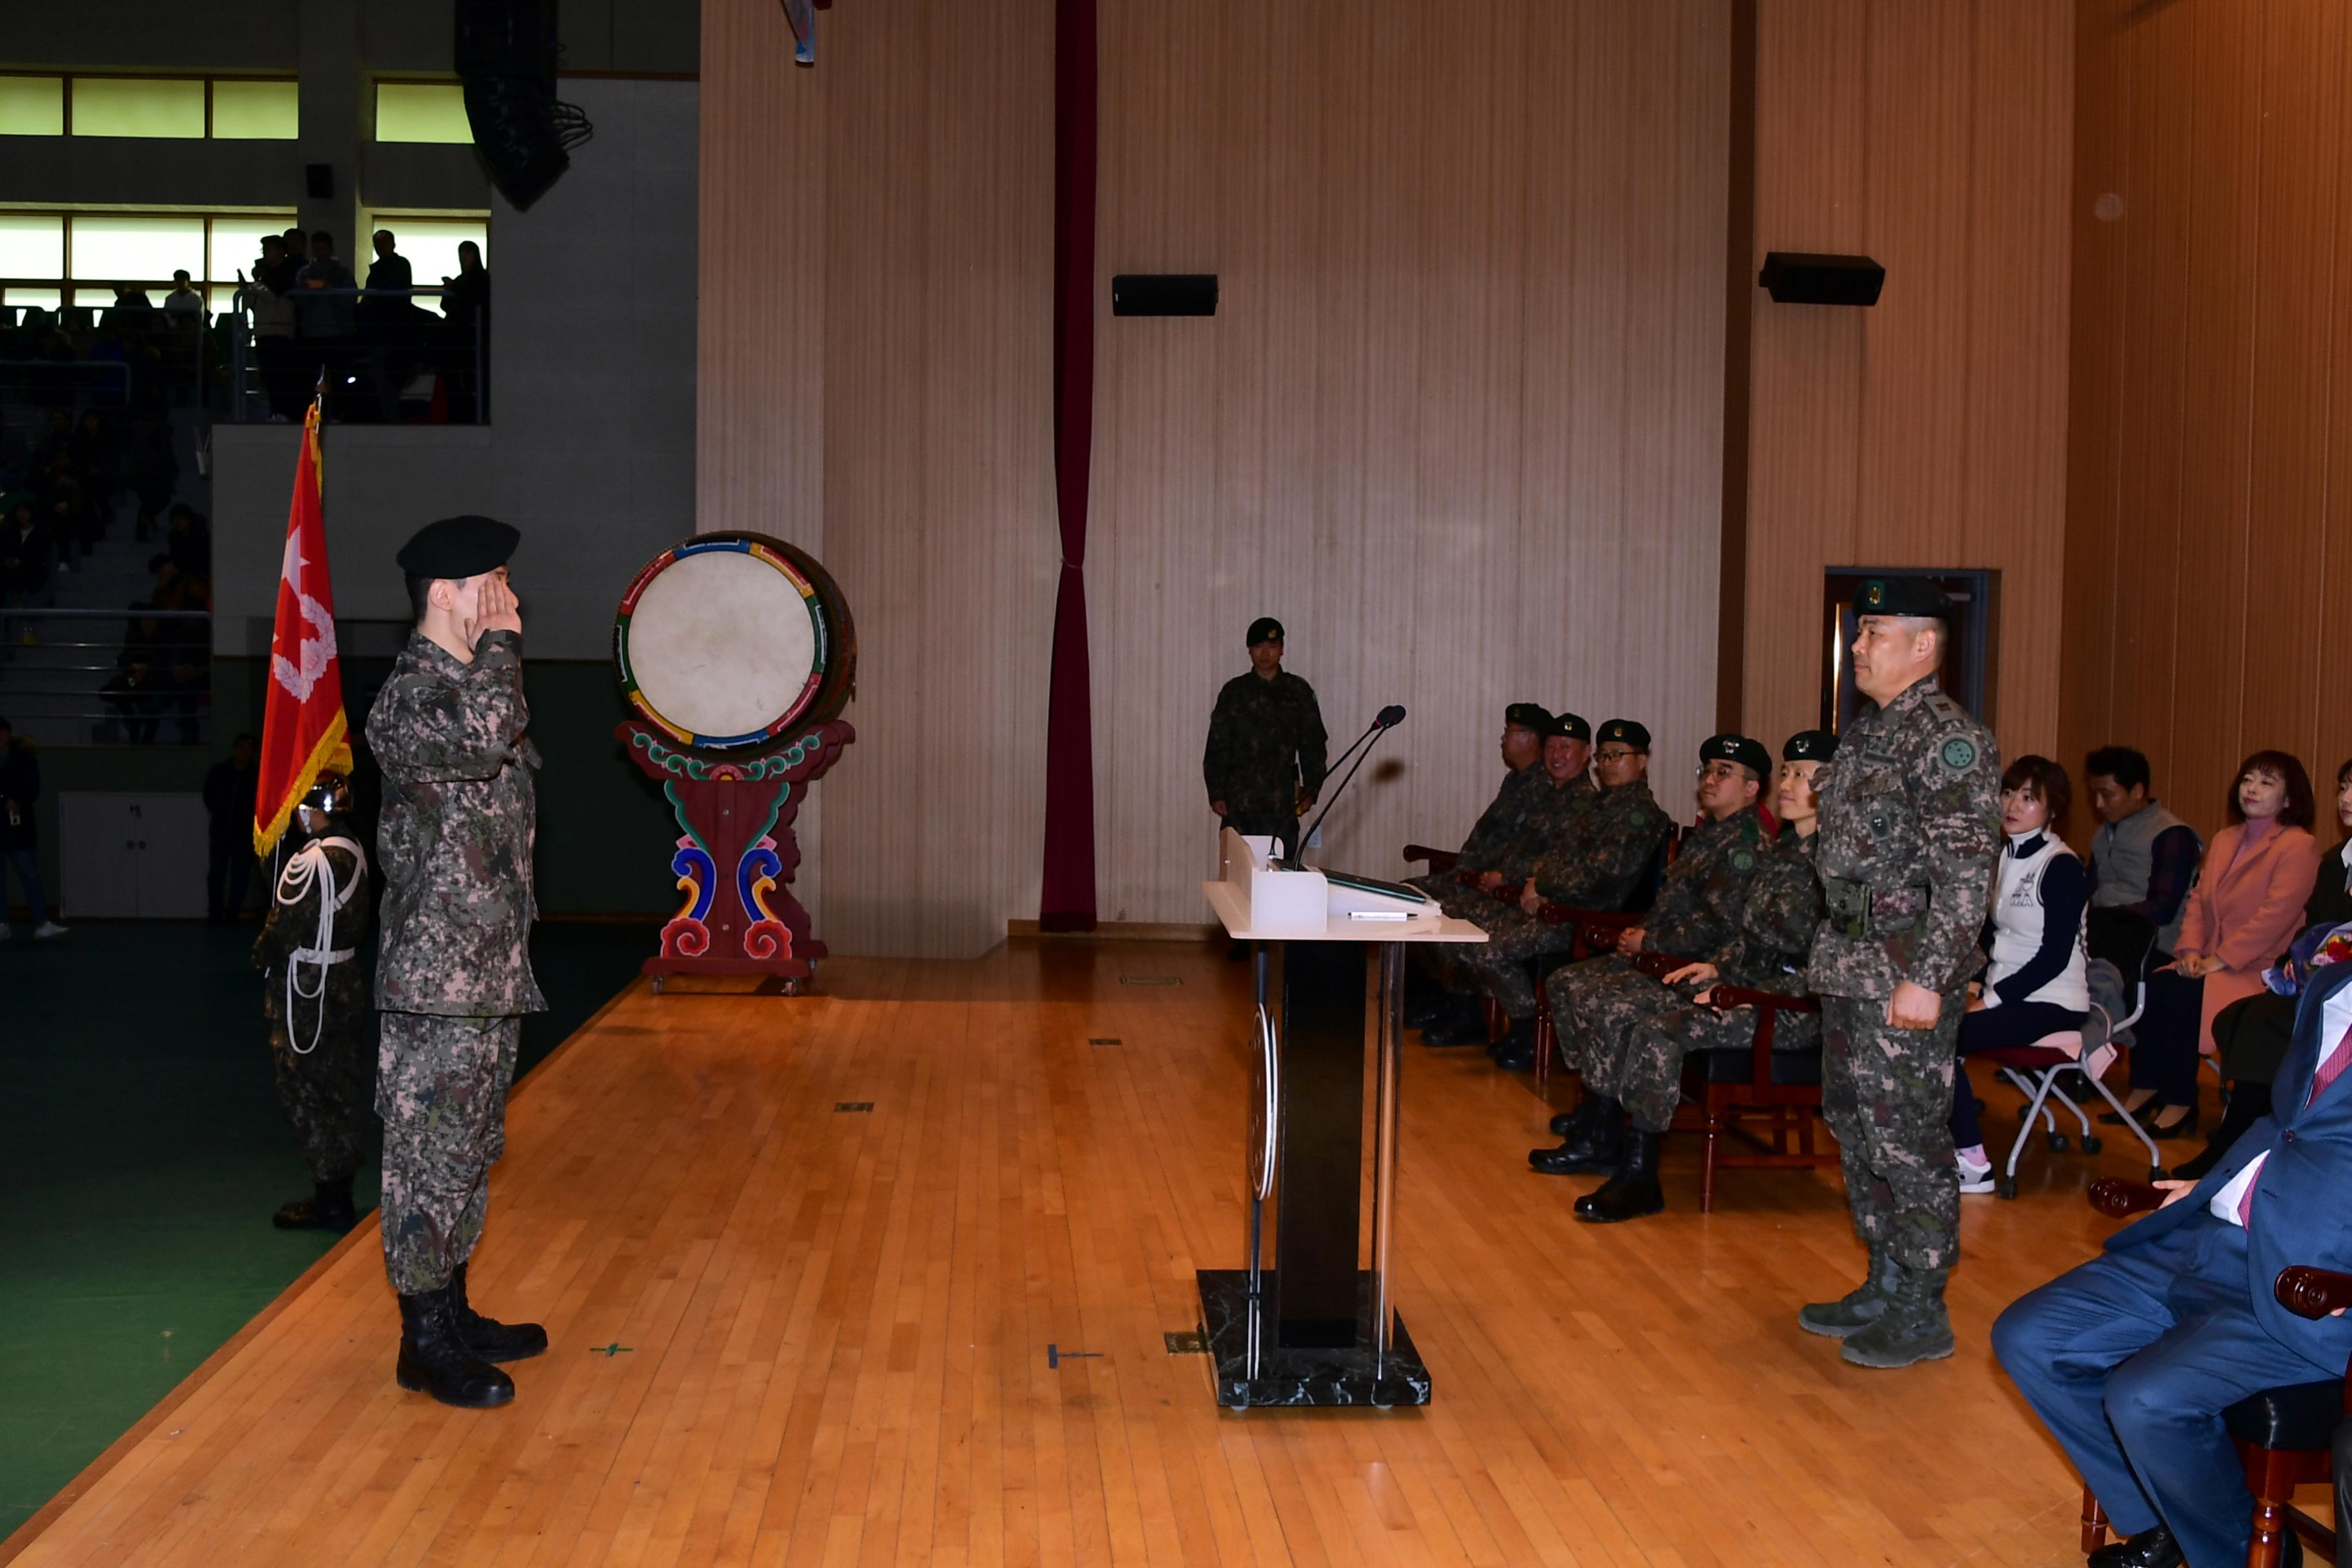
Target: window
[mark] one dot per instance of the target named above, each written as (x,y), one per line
(32,106)
(51,260)
(245,109)
(421,111)
(430,246)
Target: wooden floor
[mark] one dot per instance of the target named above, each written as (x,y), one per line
(787,1332)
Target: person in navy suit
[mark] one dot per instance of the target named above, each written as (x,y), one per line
(2130,1359)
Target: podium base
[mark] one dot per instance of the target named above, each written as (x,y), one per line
(1303,1375)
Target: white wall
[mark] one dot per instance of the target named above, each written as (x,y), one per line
(591,447)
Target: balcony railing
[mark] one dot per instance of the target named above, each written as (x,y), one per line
(135,677)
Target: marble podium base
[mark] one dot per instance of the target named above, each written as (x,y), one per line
(1308,1376)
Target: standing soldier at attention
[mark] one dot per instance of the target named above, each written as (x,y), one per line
(1910,831)
(314,993)
(1264,764)
(454,977)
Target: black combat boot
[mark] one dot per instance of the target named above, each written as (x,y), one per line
(1858,1308)
(1464,1024)
(2249,1103)
(486,1337)
(1515,1051)
(328,1208)
(1633,1190)
(1568,1124)
(1914,1327)
(435,1360)
(1594,1151)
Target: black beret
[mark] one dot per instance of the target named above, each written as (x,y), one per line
(1570,727)
(459,547)
(1265,628)
(1727,748)
(1810,746)
(1626,732)
(1903,597)
(1529,716)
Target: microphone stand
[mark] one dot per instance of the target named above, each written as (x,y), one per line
(1298,853)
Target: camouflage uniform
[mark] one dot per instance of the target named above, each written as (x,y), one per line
(1265,748)
(1529,813)
(1777,921)
(454,976)
(1597,864)
(323,1087)
(1596,1004)
(1909,836)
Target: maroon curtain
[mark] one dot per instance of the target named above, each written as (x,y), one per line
(1067,902)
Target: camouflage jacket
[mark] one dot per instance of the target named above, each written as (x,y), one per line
(454,843)
(1777,921)
(292,926)
(1911,820)
(1265,745)
(1500,826)
(1699,902)
(1600,861)
(1552,808)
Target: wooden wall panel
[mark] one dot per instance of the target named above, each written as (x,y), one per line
(1929,429)
(2211,368)
(1457,421)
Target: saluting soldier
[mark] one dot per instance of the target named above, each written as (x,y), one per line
(314,993)
(1779,914)
(1597,1004)
(1598,863)
(1263,763)
(1909,837)
(454,978)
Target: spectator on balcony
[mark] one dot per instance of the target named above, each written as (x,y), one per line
(269,301)
(26,552)
(390,269)
(190,542)
(20,786)
(186,302)
(466,301)
(324,314)
(153,473)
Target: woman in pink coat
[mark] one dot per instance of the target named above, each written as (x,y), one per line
(2245,908)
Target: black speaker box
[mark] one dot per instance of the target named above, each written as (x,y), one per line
(515,136)
(1164,294)
(319,182)
(1798,277)
(510,38)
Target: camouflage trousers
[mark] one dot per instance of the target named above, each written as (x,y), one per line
(1595,1007)
(1499,968)
(1646,1075)
(1888,1094)
(325,1088)
(1463,902)
(441,1087)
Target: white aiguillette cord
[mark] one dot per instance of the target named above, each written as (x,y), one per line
(307,864)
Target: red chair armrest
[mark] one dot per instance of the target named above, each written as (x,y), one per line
(1770,1005)
(1439,860)
(2117,1198)
(2309,1293)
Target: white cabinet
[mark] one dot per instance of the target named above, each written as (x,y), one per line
(127,856)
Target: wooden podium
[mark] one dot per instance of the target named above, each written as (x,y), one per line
(1317,1329)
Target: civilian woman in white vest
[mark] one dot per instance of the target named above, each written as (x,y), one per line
(2242,913)
(2036,981)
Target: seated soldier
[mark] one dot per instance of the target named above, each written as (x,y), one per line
(1595,1004)
(1543,814)
(1598,863)
(1777,923)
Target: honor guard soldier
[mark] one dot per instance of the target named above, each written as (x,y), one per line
(1598,863)
(1264,763)
(1909,837)
(1596,1004)
(454,976)
(314,993)
(1643,1070)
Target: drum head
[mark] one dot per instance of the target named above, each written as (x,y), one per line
(730,639)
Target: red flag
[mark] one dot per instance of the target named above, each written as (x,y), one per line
(303,732)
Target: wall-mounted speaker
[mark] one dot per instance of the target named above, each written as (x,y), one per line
(1800,277)
(319,182)
(506,56)
(1164,294)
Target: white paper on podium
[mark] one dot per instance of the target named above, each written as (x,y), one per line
(1254,899)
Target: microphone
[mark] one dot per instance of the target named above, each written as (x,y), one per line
(1388,718)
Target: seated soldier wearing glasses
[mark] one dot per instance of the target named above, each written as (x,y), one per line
(1597,863)
(1597,1004)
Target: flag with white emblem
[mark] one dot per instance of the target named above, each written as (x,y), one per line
(303,730)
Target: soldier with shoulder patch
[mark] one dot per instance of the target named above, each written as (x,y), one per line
(1909,837)
(453,979)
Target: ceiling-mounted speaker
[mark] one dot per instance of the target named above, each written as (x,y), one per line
(506,56)
(512,38)
(319,182)
(1802,278)
(1164,294)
